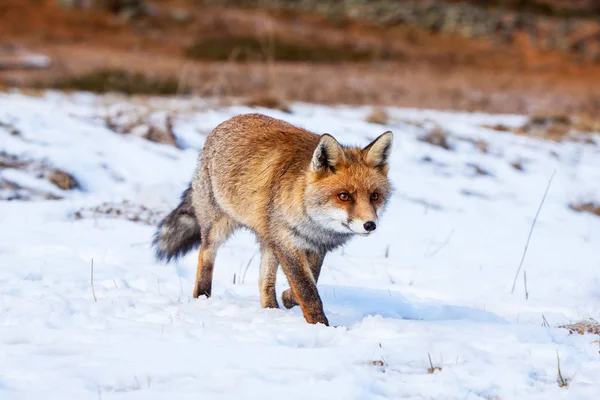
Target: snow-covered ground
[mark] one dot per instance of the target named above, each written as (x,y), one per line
(434,281)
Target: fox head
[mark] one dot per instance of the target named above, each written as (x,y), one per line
(347,187)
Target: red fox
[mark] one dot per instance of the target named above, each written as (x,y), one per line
(302,194)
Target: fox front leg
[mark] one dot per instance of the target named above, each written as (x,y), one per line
(315,262)
(295,265)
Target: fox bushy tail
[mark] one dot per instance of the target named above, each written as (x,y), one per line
(178,232)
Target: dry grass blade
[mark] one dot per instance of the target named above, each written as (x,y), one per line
(432,368)
(243,276)
(561,380)
(531,231)
(441,246)
(92,281)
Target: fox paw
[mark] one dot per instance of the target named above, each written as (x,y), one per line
(288,299)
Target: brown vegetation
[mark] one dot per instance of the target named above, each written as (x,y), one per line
(62,179)
(252,48)
(557,127)
(123,210)
(589,207)
(116,80)
(408,66)
(518,165)
(378,115)
(478,170)
(158,129)
(268,100)
(437,137)
(10,190)
(590,326)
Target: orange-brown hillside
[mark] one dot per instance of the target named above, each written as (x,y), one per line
(401,65)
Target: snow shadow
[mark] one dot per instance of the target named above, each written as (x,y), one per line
(352,304)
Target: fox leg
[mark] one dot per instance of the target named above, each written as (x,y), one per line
(213,235)
(296,267)
(266,280)
(315,262)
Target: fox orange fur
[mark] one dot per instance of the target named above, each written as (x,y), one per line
(302,194)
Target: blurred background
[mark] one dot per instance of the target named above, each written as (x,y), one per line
(514,56)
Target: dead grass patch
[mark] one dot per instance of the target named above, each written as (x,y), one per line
(59,178)
(62,179)
(472,193)
(123,210)
(518,165)
(10,128)
(11,191)
(498,127)
(116,80)
(156,128)
(556,127)
(378,115)
(482,146)
(559,127)
(587,124)
(437,137)
(251,48)
(11,161)
(548,126)
(589,326)
(380,364)
(478,170)
(589,207)
(377,363)
(268,100)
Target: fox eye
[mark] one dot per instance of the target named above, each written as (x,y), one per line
(374,196)
(344,196)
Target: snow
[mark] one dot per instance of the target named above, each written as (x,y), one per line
(23,60)
(434,281)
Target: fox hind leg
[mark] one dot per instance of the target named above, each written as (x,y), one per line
(267,276)
(213,236)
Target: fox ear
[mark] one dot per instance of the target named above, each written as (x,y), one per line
(327,155)
(377,153)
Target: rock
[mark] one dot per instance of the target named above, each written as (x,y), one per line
(63,180)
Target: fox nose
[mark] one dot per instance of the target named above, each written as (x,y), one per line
(370,226)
